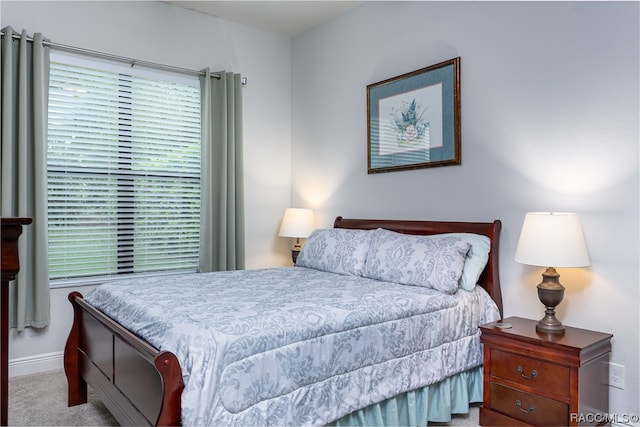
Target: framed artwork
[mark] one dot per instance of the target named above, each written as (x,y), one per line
(413,120)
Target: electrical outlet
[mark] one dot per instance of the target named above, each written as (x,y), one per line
(616,375)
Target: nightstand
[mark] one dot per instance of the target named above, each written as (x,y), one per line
(543,379)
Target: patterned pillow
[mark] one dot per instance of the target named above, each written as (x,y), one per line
(336,250)
(434,262)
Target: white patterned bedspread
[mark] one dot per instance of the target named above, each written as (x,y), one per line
(297,346)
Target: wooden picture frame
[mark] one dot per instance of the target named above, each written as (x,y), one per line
(413,120)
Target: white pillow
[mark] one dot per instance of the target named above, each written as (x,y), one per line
(434,262)
(476,260)
(336,250)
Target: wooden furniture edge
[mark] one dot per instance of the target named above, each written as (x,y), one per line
(10,266)
(76,385)
(79,372)
(554,346)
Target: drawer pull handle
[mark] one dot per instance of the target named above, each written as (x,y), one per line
(534,373)
(532,408)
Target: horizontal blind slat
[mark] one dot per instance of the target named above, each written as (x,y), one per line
(123,173)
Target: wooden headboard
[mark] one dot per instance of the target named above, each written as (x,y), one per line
(490,278)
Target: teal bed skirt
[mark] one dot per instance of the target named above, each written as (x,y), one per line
(433,403)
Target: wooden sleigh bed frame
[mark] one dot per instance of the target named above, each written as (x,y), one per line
(142,386)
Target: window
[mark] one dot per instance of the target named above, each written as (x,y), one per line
(123,172)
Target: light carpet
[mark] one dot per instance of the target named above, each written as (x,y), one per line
(41,400)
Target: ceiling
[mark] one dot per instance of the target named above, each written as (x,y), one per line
(288,18)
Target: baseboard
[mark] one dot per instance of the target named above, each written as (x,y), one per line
(34,364)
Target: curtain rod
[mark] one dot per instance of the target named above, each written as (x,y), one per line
(129,61)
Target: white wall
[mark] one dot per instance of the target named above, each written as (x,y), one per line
(549,122)
(158,32)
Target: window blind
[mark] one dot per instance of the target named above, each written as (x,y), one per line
(123,173)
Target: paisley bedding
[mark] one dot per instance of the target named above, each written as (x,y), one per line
(295,345)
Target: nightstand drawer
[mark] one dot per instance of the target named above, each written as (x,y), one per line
(528,407)
(544,376)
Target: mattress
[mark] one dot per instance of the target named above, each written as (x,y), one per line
(294,345)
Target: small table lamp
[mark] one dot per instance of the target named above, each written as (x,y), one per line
(551,239)
(298,223)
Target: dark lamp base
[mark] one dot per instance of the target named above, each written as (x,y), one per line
(295,250)
(294,255)
(549,324)
(550,293)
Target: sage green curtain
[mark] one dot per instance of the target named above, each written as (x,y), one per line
(24,92)
(222,187)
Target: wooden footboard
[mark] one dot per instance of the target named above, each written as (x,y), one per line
(137,383)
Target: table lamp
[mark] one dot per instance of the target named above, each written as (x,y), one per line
(298,223)
(551,239)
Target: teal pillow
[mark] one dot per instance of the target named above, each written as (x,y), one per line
(476,260)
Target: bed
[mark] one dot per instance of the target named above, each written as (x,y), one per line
(272,370)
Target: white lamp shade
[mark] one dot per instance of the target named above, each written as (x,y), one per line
(297,222)
(552,239)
